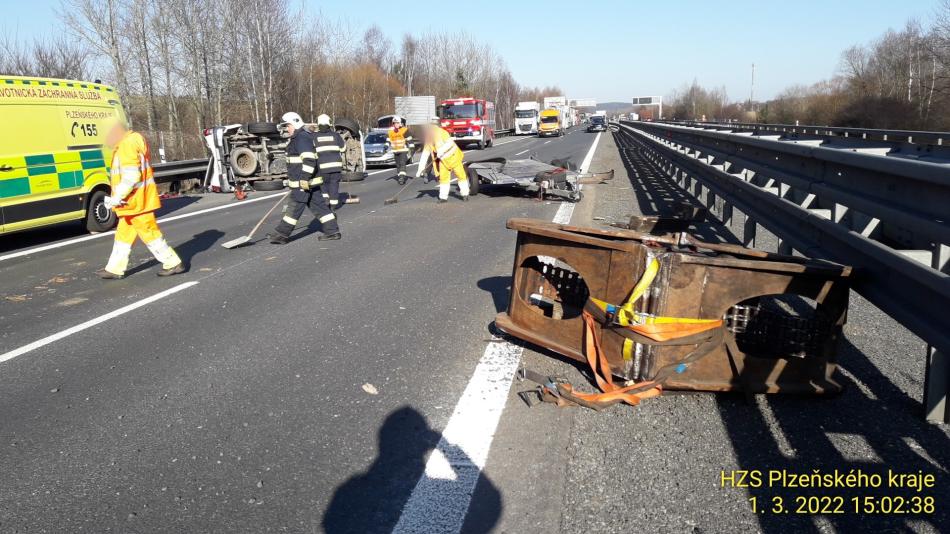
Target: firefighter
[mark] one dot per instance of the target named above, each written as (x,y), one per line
(400,142)
(134,198)
(304,185)
(330,148)
(446,160)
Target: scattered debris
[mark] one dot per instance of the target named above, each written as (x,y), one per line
(371,389)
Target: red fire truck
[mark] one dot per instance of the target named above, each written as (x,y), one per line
(469,120)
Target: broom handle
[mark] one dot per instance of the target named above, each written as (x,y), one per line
(271,210)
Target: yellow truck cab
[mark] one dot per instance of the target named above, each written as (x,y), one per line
(53,165)
(550,123)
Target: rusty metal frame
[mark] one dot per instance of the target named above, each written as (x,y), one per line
(557,266)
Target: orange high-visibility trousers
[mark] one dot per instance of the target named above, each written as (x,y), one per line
(145,227)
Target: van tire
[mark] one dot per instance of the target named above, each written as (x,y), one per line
(98,217)
(262,128)
(473,184)
(268,185)
(243,161)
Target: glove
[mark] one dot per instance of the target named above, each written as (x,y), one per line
(112,202)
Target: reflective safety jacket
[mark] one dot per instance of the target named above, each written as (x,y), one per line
(443,150)
(301,158)
(399,139)
(330,148)
(132,179)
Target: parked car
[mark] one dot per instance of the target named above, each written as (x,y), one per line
(378,152)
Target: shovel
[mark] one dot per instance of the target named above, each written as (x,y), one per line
(234,243)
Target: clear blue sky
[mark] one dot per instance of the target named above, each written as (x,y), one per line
(613,50)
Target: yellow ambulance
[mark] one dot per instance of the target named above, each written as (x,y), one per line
(53,165)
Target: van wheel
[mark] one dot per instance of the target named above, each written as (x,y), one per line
(473,183)
(268,185)
(262,128)
(99,218)
(243,161)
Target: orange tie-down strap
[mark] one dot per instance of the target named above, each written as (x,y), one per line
(705,336)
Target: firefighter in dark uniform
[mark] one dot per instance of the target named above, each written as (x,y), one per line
(304,185)
(330,148)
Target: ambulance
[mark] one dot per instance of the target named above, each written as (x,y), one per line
(53,165)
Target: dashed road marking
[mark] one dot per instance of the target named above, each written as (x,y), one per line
(441,498)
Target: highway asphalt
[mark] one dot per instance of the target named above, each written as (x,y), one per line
(293,388)
(303,388)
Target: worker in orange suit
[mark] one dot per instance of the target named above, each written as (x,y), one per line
(446,160)
(134,199)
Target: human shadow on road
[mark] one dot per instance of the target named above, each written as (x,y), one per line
(188,250)
(173,204)
(373,501)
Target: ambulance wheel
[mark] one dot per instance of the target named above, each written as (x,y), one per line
(99,218)
(268,185)
(473,184)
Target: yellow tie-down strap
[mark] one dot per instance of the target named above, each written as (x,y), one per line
(658,328)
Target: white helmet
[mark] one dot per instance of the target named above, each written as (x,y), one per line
(292,118)
(323,120)
(397,118)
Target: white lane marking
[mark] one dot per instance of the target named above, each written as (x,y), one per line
(546,142)
(52,246)
(440,500)
(522,152)
(93,322)
(566,209)
(517,138)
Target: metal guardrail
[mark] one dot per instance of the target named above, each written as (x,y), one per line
(503,133)
(908,143)
(174,171)
(887,217)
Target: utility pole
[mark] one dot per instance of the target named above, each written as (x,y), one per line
(752,90)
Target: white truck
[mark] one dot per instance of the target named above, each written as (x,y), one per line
(526,118)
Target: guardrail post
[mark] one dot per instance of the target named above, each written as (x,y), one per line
(941,258)
(936,385)
(748,232)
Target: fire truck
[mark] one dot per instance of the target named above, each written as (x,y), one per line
(469,120)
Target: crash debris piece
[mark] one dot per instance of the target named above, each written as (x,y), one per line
(536,177)
(672,309)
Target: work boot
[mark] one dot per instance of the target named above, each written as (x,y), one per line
(178,269)
(108,275)
(331,237)
(278,239)
(401,180)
